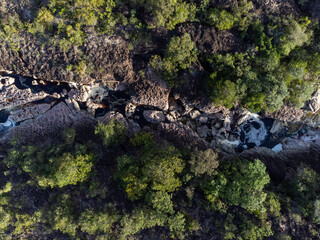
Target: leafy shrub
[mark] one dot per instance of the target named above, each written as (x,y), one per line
(221,18)
(56,166)
(240,183)
(111,133)
(140,218)
(160,201)
(180,54)
(152,167)
(97,222)
(204,162)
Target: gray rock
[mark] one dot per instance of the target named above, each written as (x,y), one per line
(46,127)
(194,114)
(314,103)
(28,112)
(275,126)
(80,95)
(203,119)
(154,116)
(11,96)
(203,131)
(130,109)
(151,91)
(181,135)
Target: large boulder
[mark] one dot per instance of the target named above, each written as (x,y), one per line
(11,96)
(50,125)
(181,135)
(150,91)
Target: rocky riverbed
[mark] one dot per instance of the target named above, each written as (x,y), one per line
(30,107)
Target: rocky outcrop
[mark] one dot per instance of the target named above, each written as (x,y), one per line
(314,103)
(109,60)
(287,114)
(11,96)
(154,117)
(181,135)
(50,125)
(28,112)
(209,40)
(150,91)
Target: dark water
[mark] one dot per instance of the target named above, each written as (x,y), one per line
(4,116)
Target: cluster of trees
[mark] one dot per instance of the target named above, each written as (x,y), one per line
(152,185)
(279,63)
(276,69)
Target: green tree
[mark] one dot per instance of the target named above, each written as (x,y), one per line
(111,133)
(204,162)
(240,183)
(160,201)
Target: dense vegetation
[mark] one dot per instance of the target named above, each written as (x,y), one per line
(277,64)
(102,189)
(118,185)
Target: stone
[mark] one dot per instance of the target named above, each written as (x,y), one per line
(203,119)
(203,131)
(12,96)
(287,114)
(75,105)
(97,94)
(64,93)
(55,95)
(112,115)
(35,83)
(314,103)
(81,94)
(170,118)
(154,116)
(227,123)
(49,126)
(6,81)
(181,135)
(150,91)
(276,126)
(28,112)
(130,109)
(194,114)
(213,131)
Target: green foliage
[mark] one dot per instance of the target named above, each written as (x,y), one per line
(235,180)
(160,201)
(177,224)
(179,55)
(153,167)
(221,19)
(141,218)
(246,229)
(62,215)
(111,133)
(6,219)
(304,189)
(56,166)
(204,162)
(94,222)
(169,13)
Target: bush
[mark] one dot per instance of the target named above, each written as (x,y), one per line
(111,133)
(160,201)
(139,219)
(179,55)
(240,183)
(97,222)
(204,162)
(152,167)
(56,166)
(221,19)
